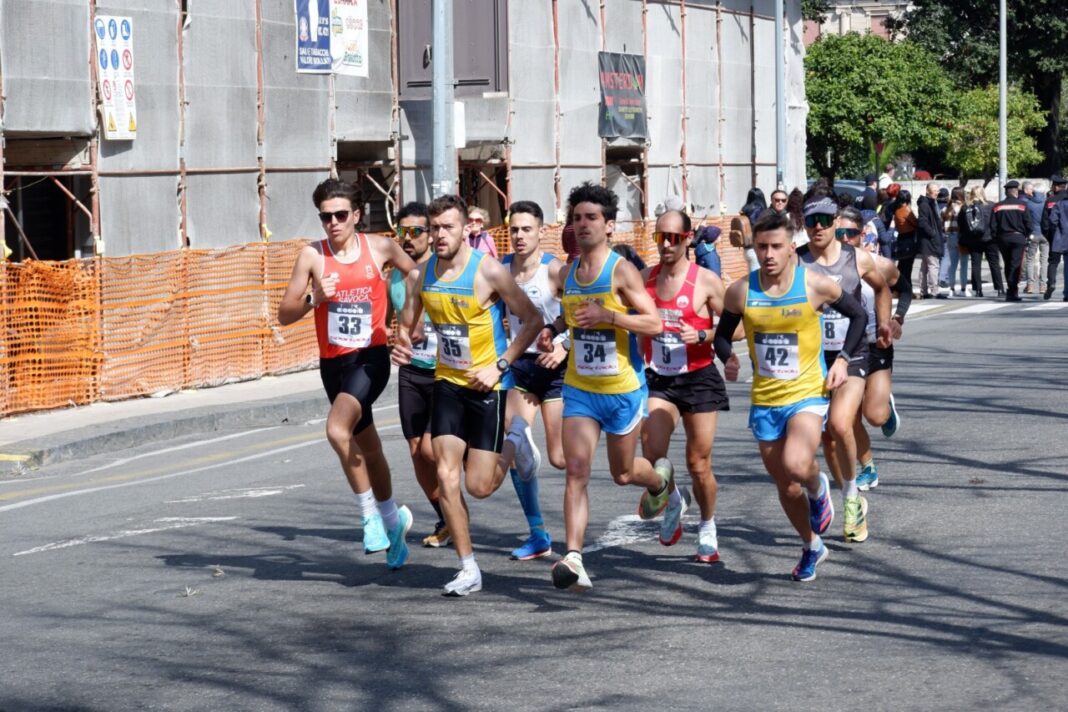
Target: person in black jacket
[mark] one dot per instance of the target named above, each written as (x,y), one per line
(1011,228)
(973,229)
(932,241)
(1056,194)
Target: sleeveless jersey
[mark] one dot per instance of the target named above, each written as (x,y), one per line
(785,343)
(425,353)
(845,273)
(469,336)
(603,359)
(355,317)
(665,353)
(540,291)
(867,299)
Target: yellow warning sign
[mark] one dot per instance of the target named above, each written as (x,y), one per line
(133,124)
(111,122)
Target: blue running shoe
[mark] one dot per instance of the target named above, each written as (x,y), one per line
(671,526)
(374,534)
(810,559)
(537,545)
(890,426)
(398,548)
(821,509)
(868,477)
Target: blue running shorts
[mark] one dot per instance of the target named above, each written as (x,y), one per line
(617,413)
(768,422)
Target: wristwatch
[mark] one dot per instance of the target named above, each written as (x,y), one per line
(702,336)
(502,364)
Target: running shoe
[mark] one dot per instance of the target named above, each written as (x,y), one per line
(855,519)
(890,426)
(527,455)
(707,547)
(651,505)
(569,573)
(464,582)
(821,509)
(398,548)
(810,559)
(441,536)
(868,477)
(671,526)
(374,534)
(537,545)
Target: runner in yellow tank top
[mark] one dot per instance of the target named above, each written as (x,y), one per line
(780,304)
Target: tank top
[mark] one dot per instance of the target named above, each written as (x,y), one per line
(540,291)
(425,353)
(845,273)
(603,359)
(867,299)
(785,343)
(355,317)
(470,336)
(665,353)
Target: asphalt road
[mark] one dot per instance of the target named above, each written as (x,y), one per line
(225,572)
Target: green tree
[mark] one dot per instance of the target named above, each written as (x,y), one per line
(964,35)
(815,10)
(973,138)
(863,90)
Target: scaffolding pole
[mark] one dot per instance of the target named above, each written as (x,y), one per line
(443,180)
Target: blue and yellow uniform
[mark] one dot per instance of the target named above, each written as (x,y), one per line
(605,377)
(785,341)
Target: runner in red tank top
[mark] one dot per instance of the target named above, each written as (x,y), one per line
(348,294)
(683,381)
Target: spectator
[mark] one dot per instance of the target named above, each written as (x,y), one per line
(755,204)
(795,210)
(778,201)
(931,241)
(951,258)
(905,224)
(973,231)
(887,177)
(630,255)
(1011,228)
(568,241)
(870,199)
(704,246)
(1058,219)
(1037,255)
(479,239)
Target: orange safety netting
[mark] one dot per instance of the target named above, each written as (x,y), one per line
(109,328)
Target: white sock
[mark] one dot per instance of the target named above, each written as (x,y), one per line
(675,498)
(813,545)
(468,563)
(366,501)
(707,526)
(822,489)
(850,489)
(388,509)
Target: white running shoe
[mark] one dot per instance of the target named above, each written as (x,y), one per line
(527,455)
(466,581)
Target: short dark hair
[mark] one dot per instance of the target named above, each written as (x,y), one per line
(852,215)
(770,221)
(687,224)
(413,210)
(596,194)
(334,188)
(443,203)
(527,207)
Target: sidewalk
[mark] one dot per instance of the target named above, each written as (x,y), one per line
(36,439)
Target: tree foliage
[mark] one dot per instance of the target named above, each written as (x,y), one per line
(815,10)
(862,89)
(973,137)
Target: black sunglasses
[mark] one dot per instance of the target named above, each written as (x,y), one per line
(412,231)
(821,219)
(340,215)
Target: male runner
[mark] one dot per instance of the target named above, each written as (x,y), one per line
(780,305)
(464,292)
(415,381)
(539,377)
(878,404)
(605,306)
(683,380)
(348,297)
(848,267)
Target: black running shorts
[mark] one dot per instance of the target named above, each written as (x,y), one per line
(881,359)
(362,374)
(415,398)
(545,384)
(700,391)
(476,417)
(858,365)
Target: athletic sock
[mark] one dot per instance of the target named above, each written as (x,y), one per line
(850,489)
(388,509)
(813,545)
(870,462)
(707,525)
(437,509)
(527,492)
(366,501)
(675,498)
(468,563)
(822,490)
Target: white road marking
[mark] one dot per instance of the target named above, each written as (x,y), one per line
(166,523)
(980,308)
(1044,306)
(631,528)
(245,493)
(921,308)
(384,406)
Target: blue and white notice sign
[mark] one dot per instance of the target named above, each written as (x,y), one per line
(313,37)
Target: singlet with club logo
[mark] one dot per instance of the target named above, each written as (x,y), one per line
(604,359)
(666,353)
(425,353)
(540,292)
(785,343)
(355,317)
(844,271)
(470,336)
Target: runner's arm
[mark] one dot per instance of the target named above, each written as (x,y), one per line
(646,322)
(875,279)
(729,320)
(294,305)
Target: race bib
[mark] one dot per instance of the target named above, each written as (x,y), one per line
(427,349)
(777,356)
(594,351)
(455,346)
(835,326)
(669,354)
(348,324)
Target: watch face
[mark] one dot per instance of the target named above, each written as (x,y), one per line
(502,365)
